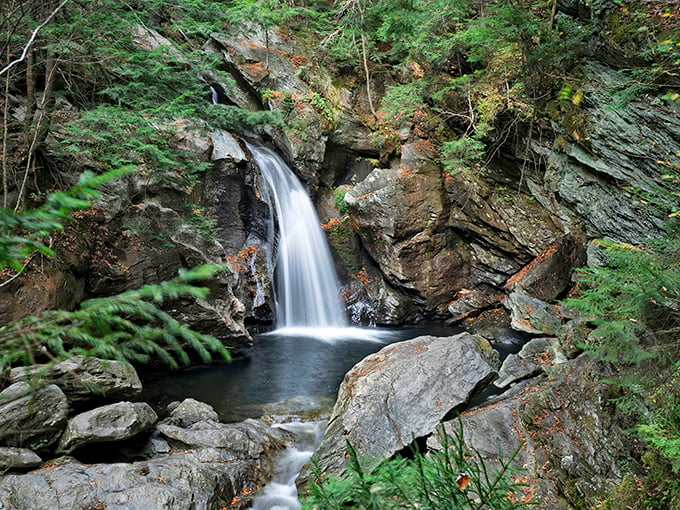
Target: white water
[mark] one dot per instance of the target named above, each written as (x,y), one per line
(331,334)
(281,492)
(307,290)
(308,304)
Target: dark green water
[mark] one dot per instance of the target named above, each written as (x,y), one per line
(278,367)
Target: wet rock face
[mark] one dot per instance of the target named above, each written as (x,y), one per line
(401,393)
(399,217)
(142,231)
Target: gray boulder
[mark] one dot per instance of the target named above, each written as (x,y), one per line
(568,434)
(190,411)
(32,417)
(402,392)
(225,146)
(176,482)
(114,422)
(18,458)
(84,379)
(206,465)
(549,274)
(470,303)
(533,359)
(532,315)
(220,442)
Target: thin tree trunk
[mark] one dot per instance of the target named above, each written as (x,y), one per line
(5,132)
(368,75)
(41,128)
(30,84)
(553,14)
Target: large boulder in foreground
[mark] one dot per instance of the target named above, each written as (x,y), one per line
(32,417)
(193,462)
(402,392)
(176,482)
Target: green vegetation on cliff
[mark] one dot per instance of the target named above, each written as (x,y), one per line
(112,83)
(95,86)
(105,84)
(634,300)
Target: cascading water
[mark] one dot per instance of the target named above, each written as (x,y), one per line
(307,300)
(281,492)
(307,291)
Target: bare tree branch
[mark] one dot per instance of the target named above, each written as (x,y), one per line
(32,38)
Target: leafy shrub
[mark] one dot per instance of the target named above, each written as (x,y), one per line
(339,201)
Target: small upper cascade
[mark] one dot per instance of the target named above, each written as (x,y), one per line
(307,290)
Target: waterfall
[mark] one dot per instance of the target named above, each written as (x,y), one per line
(307,291)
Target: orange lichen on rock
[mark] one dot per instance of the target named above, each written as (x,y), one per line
(545,254)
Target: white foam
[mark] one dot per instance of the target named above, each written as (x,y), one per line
(335,334)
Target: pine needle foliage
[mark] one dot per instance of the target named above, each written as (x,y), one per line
(129,326)
(23,233)
(634,302)
(637,290)
(117,77)
(451,478)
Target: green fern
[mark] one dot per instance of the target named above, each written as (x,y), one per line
(21,233)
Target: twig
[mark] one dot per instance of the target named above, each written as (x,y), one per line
(18,273)
(5,127)
(32,38)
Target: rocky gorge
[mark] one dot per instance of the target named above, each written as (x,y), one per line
(490,248)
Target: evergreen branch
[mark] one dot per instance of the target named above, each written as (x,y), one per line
(128,326)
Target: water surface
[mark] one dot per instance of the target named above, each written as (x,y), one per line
(278,367)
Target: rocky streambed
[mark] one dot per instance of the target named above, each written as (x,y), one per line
(80,438)
(60,431)
(76,435)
